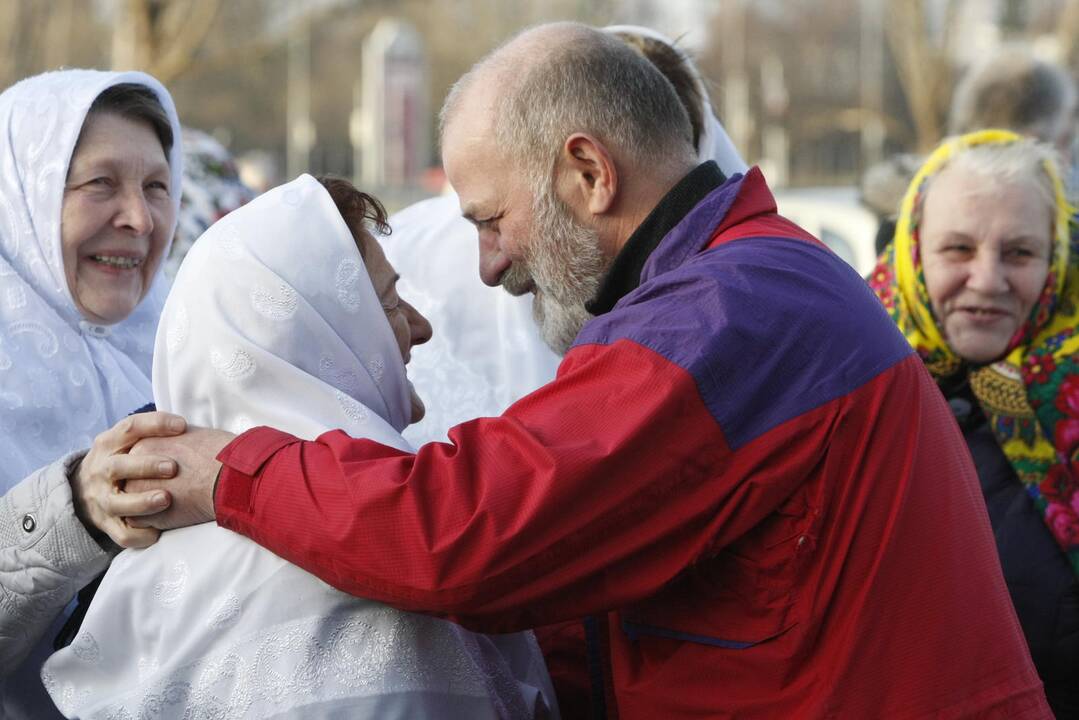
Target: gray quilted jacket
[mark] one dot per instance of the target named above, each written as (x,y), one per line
(46,557)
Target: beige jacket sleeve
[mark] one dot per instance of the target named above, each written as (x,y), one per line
(46,557)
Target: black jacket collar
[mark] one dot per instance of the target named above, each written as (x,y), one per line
(625,273)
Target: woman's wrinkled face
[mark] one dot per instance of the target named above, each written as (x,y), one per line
(116,218)
(985,249)
(408,325)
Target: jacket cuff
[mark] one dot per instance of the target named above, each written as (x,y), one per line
(41,515)
(241,460)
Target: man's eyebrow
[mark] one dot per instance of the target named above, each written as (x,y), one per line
(475,214)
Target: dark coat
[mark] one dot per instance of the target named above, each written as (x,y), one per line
(1043,586)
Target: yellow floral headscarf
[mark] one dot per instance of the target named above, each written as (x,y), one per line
(1031,396)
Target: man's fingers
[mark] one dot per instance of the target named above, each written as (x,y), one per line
(158,521)
(138,522)
(127,536)
(133,428)
(135,504)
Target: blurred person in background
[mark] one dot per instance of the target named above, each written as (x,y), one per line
(90,186)
(882,190)
(980,281)
(212,189)
(1011,90)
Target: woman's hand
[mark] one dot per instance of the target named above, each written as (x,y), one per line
(97,482)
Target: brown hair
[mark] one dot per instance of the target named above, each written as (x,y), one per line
(670,61)
(138,103)
(357,208)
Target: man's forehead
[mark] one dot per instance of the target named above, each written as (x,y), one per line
(469,134)
(477,173)
(474,163)
(473,113)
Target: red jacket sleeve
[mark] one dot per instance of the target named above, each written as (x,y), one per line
(584,496)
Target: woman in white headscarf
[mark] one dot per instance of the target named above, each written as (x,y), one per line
(89,187)
(489,352)
(285,313)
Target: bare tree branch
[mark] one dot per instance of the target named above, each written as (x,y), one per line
(187,31)
(10,13)
(1068,32)
(924,72)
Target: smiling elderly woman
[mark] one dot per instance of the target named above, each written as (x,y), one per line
(981,279)
(89,189)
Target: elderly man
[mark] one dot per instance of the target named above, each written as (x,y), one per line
(741,474)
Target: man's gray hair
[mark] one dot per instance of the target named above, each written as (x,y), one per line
(1015,91)
(590,82)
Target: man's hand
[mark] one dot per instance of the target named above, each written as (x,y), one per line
(98,482)
(192,488)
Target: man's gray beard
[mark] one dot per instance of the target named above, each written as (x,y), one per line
(563,267)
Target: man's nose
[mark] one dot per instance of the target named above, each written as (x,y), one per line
(493,261)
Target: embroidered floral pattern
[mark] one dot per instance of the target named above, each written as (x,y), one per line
(347,283)
(232,366)
(86,648)
(224,612)
(378,651)
(169,591)
(177,332)
(353,409)
(278,304)
(1038,368)
(377,368)
(16,298)
(344,380)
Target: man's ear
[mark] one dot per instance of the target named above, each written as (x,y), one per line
(589,179)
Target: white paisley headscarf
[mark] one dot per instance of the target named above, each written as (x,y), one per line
(62,379)
(273,320)
(273,303)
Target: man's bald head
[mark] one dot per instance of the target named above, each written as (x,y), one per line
(554,80)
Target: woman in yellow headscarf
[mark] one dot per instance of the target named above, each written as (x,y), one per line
(980,279)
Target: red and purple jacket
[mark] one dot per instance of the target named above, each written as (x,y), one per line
(742,473)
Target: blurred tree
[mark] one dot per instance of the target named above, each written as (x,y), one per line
(789,86)
(915,51)
(161,37)
(1068,34)
(925,67)
(36,36)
